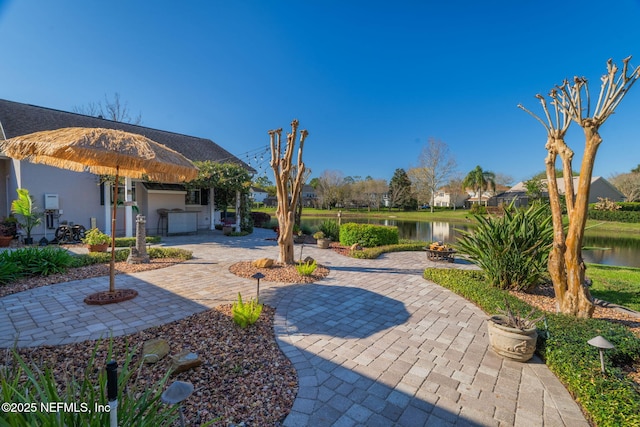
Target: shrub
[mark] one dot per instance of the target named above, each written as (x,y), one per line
(609,400)
(245,314)
(122,255)
(619,215)
(36,261)
(261,219)
(99,258)
(478,209)
(331,229)
(127,242)
(96,237)
(26,383)
(512,250)
(9,271)
(182,254)
(628,206)
(306,268)
(605,204)
(368,235)
(373,253)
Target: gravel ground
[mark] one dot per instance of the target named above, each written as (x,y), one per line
(244,376)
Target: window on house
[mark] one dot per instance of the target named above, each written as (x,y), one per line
(121,189)
(192,197)
(199,196)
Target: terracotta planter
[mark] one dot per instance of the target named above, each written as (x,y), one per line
(102,247)
(5,241)
(323,243)
(227,230)
(512,343)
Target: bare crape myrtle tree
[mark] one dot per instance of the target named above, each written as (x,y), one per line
(571,103)
(289,179)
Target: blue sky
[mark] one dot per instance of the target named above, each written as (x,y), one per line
(370,80)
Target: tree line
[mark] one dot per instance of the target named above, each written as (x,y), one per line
(407,189)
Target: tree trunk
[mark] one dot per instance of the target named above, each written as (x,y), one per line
(566,267)
(285,238)
(288,186)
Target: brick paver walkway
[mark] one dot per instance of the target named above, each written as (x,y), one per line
(373,343)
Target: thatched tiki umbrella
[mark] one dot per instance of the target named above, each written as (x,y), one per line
(102,152)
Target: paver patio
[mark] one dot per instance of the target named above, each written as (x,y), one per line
(373,343)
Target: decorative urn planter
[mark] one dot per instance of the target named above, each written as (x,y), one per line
(5,241)
(323,243)
(512,343)
(102,247)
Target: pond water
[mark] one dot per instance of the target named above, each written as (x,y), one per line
(607,250)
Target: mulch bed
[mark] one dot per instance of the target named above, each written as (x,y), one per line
(244,377)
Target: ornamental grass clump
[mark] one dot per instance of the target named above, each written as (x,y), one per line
(306,268)
(245,314)
(511,250)
(37,395)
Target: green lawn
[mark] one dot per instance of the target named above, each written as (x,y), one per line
(617,285)
(607,228)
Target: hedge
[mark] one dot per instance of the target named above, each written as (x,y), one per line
(619,216)
(368,235)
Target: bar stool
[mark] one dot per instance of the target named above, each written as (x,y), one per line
(163,221)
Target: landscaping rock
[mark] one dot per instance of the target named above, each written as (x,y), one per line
(184,361)
(356,247)
(263,263)
(308,260)
(154,350)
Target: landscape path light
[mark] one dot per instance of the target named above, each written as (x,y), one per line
(112,392)
(601,344)
(176,393)
(258,276)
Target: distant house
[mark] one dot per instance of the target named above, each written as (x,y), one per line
(82,197)
(258,195)
(486,198)
(309,196)
(444,198)
(600,188)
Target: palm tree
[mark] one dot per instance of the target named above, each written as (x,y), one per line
(480,180)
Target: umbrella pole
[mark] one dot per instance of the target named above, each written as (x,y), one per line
(112,265)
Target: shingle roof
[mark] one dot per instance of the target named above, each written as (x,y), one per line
(20,119)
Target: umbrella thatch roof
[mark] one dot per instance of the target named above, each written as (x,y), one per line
(101,151)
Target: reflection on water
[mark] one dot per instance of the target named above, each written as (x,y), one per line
(619,251)
(612,251)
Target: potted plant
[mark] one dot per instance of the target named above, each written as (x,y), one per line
(96,240)
(298,235)
(7,231)
(322,242)
(513,336)
(29,216)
